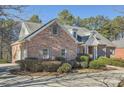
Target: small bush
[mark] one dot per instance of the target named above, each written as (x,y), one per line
(96,64)
(37,66)
(30,65)
(51,66)
(65,68)
(84,64)
(78,59)
(62,59)
(74,63)
(2,61)
(85,61)
(21,64)
(84,58)
(117,63)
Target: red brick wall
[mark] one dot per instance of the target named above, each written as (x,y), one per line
(45,39)
(119,53)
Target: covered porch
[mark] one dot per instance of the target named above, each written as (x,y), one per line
(93,51)
(96,50)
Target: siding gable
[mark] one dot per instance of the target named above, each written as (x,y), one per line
(24,32)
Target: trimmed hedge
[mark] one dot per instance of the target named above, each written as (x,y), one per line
(30,65)
(50,66)
(65,68)
(38,66)
(103,61)
(62,59)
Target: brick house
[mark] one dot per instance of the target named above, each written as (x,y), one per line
(54,39)
(119,43)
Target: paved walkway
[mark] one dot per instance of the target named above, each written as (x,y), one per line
(8,65)
(4,68)
(103,79)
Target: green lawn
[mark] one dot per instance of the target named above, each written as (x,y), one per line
(3,61)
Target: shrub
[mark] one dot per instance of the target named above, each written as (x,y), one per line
(51,66)
(3,61)
(84,58)
(96,64)
(30,65)
(31,58)
(65,68)
(74,63)
(85,61)
(117,63)
(84,64)
(78,59)
(21,64)
(62,59)
(37,66)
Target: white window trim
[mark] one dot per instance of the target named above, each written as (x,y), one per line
(65,53)
(46,56)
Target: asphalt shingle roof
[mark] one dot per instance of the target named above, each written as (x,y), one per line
(119,43)
(84,33)
(30,27)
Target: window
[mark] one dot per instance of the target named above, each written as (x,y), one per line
(75,34)
(63,52)
(55,30)
(45,52)
(24,53)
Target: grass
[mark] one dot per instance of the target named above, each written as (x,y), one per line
(3,61)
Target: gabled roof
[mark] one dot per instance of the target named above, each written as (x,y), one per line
(92,41)
(80,30)
(85,34)
(39,29)
(103,41)
(32,26)
(98,39)
(119,43)
(28,27)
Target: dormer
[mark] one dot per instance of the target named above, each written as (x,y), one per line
(74,32)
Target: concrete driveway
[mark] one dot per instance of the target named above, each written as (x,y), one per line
(100,79)
(4,68)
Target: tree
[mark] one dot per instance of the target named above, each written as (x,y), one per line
(65,17)
(94,23)
(35,19)
(6,29)
(4,10)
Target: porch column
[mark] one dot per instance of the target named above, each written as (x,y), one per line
(95,52)
(105,51)
(86,49)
